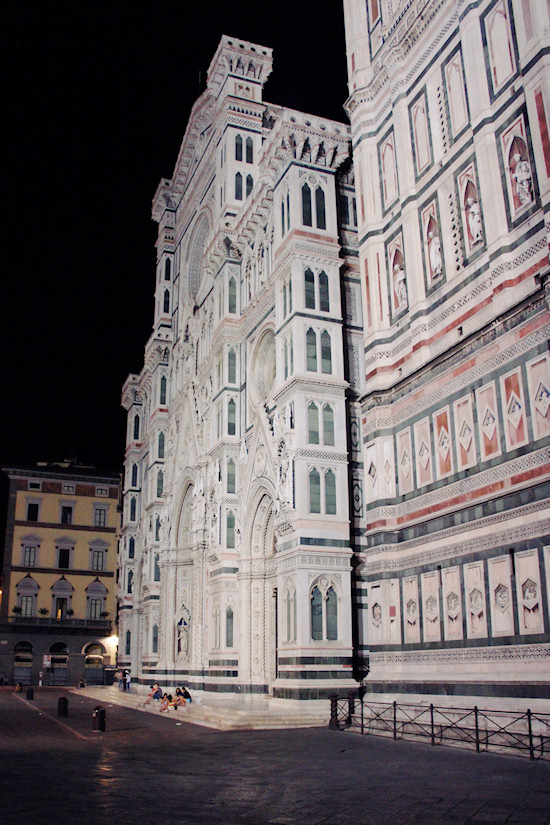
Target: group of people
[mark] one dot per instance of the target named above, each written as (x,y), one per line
(124,679)
(181,697)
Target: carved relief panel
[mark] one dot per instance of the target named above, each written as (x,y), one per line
(465,440)
(528,589)
(411,610)
(475,603)
(500,589)
(452,603)
(430,606)
(538,376)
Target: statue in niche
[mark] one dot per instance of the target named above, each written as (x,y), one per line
(521,174)
(182,639)
(434,250)
(399,281)
(473,216)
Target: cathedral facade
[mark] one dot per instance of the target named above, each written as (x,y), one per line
(337,449)
(449,105)
(236,546)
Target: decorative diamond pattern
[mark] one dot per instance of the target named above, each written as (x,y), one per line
(514,410)
(406,463)
(488,423)
(443,443)
(465,435)
(542,399)
(424,454)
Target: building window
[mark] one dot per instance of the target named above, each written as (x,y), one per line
(156,568)
(231,481)
(128,643)
(160,483)
(324,615)
(238,148)
(27,604)
(249,184)
(320,208)
(311,350)
(313,423)
(324,303)
(283,217)
(306,205)
(330,493)
(98,560)
(167,269)
(310,288)
(229,627)
(326,353)
(231,417)
(100,517)
(63,557)
(249,150)
(131,548)
(136,427)
(66,515)
(238,187)
(328,426)
(314,491)
(155,639)
(130,582)
(161,445)
(132,509)
(94,609)
(230,530)
(29,556)
(162,393)
(32,511)
(233,295)
(166,302)
(134,475)
(232,367)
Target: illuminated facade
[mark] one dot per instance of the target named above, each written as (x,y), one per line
(59,579)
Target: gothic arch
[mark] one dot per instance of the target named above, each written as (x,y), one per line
(184,516)
(260,529)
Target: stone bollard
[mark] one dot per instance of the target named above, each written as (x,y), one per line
(62,706)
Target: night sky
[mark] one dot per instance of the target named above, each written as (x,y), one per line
(96,101)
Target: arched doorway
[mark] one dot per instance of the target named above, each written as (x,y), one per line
(93,663)
(259,607)
(22,663)
(59,653)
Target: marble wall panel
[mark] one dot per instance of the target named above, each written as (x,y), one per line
(528,590)
(476,606)
(500,596)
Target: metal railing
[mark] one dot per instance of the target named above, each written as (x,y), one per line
(66,622)
(499,730)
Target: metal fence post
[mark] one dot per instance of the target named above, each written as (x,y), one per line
(432,724)
(477,728)
(531,749)
(351,709)
(333,724)
(395,720)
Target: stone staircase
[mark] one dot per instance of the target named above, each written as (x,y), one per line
(222,711)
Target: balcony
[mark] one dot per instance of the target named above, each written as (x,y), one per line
(40,621)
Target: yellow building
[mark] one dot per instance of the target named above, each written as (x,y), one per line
(58,609)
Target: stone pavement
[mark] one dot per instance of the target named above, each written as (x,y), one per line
(149,770)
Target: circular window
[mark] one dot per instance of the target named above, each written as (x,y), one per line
(263,368)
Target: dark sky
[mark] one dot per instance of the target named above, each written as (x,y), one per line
(97,98)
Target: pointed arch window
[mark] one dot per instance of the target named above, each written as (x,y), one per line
(130,582)
(238,187)
(166,304)
(232,296)
(290,294)
(162,394)
(324,614)
(238,148)
(132,509)
(230,530)
(231,480)
(313,423)
(232,367)
(167,269)
(128,642)
(324,302)
(326,353)
(328,426)
(314,491)
(160,483)
(156,568)
(229,627)
(134,475)
(309,279)
(306,205)
(320,208)
(136,427)
(131,548)
(157,529)
(155,639)
(311,350)
(249,150)
(161,445)
(249,184)
(231,417)
(330,493)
